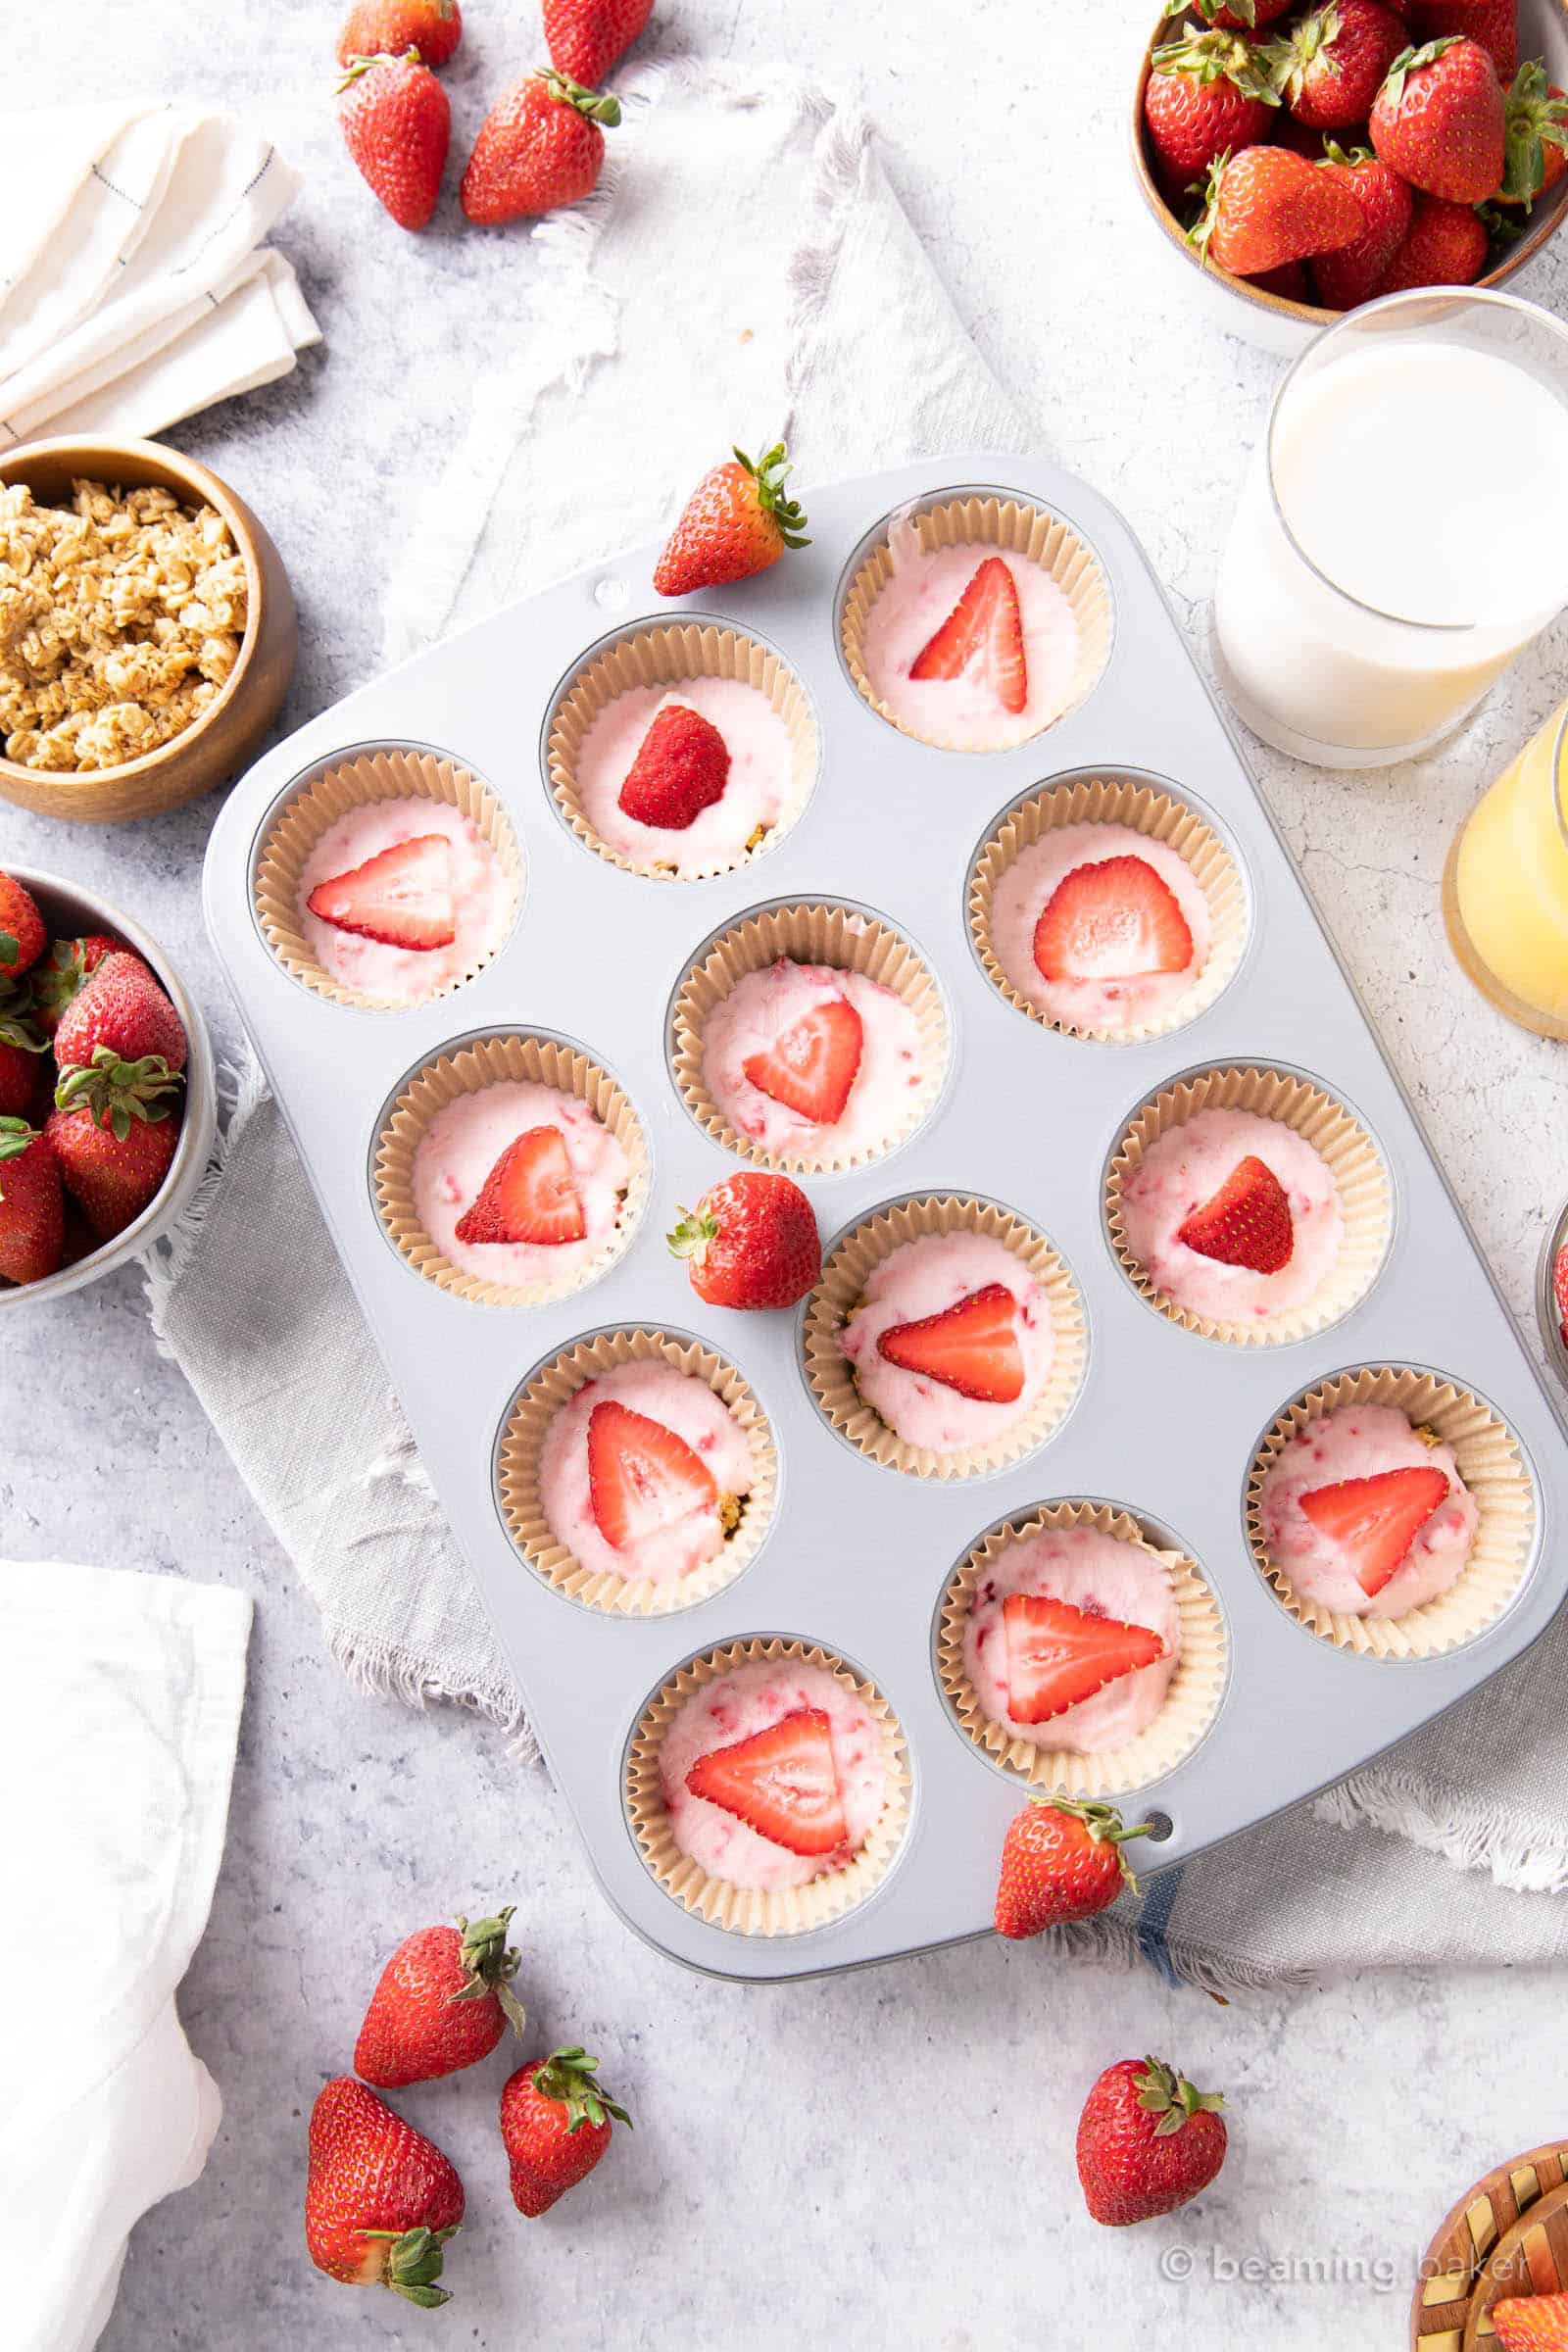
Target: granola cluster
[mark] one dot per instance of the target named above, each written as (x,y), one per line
(121,618)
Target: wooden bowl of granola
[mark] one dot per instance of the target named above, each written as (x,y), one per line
(125,694)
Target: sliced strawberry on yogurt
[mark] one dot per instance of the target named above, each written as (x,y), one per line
(642,1477)
(982,638)
(1057,1656)
(402,895)
(1374,1521)
(681,768)
(1559,1291)
(971,1347)
(781,1782)
(1246,1223)
(812,1066)
(1113,920)
(528,1195)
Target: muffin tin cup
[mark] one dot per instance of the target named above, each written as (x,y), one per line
(356,781)
(748,1910)
(1191,1703)
(1489,1464)
(467,1070)
(1008,526)
(666,655)
(812,933)
(1361,1178)
(1160,817)
(548,1391)
(849,1265)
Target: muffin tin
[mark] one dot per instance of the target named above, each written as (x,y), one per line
(857,1556)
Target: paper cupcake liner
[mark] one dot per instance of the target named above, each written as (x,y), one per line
(826,934)
(1014,528)
(1160,816)
(843,1279)
(748,1910)
(389,774)
(467,1070)
(666,655)
(1491,1466)
(517,1473)
(1361,1178)
(1191,1703)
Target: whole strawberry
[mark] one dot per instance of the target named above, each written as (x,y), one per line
(1205,93)
(1531,2323)
(1147,2142)
(554,2124)
(586,37)
(738,521)
(380,2199)
(1537,149)
(114,1131)
(1062,1859)
(1447,246)
(397,126)
(1354,273)
(539,147)
(387,27)
(59,978)
(1441,122)
(443,2001)
(22,937)
(750,1241)
(33,1213)
(1492,24)
(121,1011)
(1266,207)
(1331,64)
(22,1050)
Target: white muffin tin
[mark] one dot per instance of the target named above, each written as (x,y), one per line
(1165,1424)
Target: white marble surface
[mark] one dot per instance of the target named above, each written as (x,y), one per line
(885,2159)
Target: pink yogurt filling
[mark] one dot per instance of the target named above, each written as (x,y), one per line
(481,899)
(461,1145)
(1026,889)
(1186,1167)
(1092,1571)
(678,1400)
(921,1278)
(1360,1440)
(757,791)
(736,1706)
(764,1007)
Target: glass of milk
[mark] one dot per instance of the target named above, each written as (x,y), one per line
(1404,530)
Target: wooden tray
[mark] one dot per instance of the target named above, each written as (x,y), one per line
(1480,2239)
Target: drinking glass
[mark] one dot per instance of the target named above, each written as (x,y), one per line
(1506,886)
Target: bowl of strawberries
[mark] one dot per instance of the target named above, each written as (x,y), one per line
(108,1102)
(1301,157)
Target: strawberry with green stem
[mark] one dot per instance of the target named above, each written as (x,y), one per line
(23,936)
(541,146)
(114,1131)
(1441,122)
(1206,92)
(556,2124)
(738,521)
(1537,138)
(396,122)
(441,2003)
(381,2201)
(32,1215)
(751,1242)
(1268,206)
(1329,63)
(1345,279)
(1147,2142)
(432,28)
(1062,1858)
(586,37)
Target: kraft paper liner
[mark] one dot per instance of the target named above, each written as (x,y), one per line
(829,1373)
(390,774)
(1360,1177)
(489,1061)
(1492,1467)
(1160,816)
(666,655)
(742,1910)
(522,1442)
(1191,1703)
(1013,528)
(849,941)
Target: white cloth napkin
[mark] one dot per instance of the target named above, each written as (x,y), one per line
(134,285)
(117,1750)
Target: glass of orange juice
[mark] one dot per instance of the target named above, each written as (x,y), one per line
(1506,886)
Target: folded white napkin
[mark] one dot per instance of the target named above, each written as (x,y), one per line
(135,285)
(117,1750)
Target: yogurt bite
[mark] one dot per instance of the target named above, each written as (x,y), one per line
(1104,1577)
(1125,998)
(480,899)
(690,1537)
(780,1048)
(759,787)
(459,1150)
(1363,1442)
(938,1275)
(1183,1170)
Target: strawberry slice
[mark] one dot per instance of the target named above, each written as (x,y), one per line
(1559,1291)
(1246,1223)
(812,1066)
(402,895)
(781,1782)
(528,1195)
(642,1478)
(971,1347)
(681,768)
(982,638)
(1375,1520)
(1113,919)
(1059,1655)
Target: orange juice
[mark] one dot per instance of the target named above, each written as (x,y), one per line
(1505,890)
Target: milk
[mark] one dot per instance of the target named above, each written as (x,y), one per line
(1427,481)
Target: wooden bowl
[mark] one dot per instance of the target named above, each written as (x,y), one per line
(1287,328)
(226,735)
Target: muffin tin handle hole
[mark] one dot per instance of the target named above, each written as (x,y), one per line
(1157,1826)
